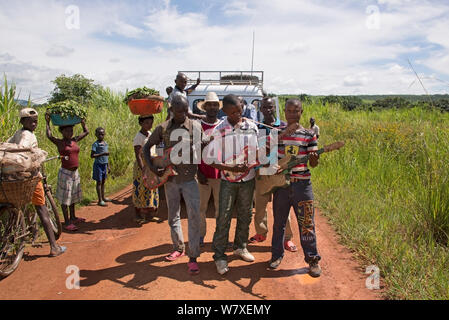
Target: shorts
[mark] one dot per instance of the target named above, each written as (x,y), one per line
(100,171)
(38,198)
(68,190)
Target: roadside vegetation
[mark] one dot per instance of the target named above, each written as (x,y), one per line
(105,108)
(387,192)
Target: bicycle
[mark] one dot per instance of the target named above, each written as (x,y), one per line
(19,226)
(50,202)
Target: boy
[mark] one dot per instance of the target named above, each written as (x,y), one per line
(101,164)
(268,108)
(208,177)
(26,138)
(314,127)
(180,90)
(184,183)
(232,132)
(297,141)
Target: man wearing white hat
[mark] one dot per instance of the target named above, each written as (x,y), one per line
(208,177)
(26,138)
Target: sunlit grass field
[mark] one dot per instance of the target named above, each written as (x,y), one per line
(387,193)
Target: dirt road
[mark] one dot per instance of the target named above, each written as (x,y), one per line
(119,259)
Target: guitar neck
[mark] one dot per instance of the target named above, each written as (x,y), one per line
(303,159)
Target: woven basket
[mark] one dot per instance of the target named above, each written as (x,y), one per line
(19,192)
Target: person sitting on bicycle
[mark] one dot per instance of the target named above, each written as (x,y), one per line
(26,138)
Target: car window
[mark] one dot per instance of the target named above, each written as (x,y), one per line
(256,103)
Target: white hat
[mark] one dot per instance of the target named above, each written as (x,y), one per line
(28,112)
(210,97)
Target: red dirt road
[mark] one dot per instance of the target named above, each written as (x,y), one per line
(119,259)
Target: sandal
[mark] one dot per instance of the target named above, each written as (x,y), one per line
(79,220)
(62,249)
(174,255)
(194,269)
(257,238)
(71,227)
(290,246)
(155,219)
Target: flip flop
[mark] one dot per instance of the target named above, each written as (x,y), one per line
(80,220)
(174,255)
(71,227)
(290,246)
(154,219)
(62,249)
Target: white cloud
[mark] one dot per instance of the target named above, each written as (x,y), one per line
(59,51)
(6,57)
(317,47)
(237,8)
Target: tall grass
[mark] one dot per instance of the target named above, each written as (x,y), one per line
(8,108)
(106,109)
(387,193)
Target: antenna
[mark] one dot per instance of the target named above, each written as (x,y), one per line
(252,60)
(425,90)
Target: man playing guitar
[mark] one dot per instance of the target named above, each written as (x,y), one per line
(297,141)
(231,137)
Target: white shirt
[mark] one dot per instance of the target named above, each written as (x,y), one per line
(177,92)
(24,138)
(234,140)
(140,140)
(316,129)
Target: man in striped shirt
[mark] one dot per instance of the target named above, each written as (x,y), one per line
(300,142)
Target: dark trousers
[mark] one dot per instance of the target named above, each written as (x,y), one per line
(298,195)
(241,195)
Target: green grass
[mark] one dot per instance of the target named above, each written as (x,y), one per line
(106,110)
(387,193)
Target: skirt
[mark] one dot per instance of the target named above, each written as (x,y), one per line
(143,197)
(68,190)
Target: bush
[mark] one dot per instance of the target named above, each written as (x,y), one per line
(77,88)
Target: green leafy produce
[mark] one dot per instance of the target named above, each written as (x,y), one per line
(140,93)
(67,109)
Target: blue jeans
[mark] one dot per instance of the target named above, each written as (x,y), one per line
(191,194)
(298,195)
(232,194)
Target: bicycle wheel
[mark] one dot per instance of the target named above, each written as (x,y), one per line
(12,245)
(54,214)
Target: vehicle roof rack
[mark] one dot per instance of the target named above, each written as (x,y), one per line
(226,77)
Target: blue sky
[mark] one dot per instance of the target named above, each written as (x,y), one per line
(304,46)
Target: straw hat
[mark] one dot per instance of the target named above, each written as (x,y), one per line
(210,97)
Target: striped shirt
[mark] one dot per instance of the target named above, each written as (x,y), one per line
(301,143)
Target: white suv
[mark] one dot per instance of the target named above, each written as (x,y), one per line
(246,84)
